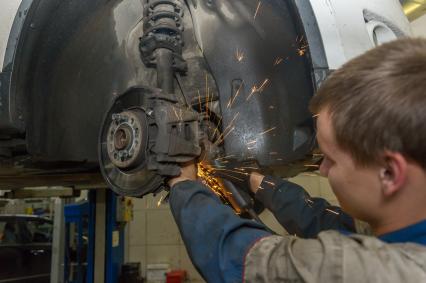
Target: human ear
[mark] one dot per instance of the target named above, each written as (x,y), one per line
(393,173)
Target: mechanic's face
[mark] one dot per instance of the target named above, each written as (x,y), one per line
(357,188)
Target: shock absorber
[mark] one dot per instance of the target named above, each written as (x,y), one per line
(162,43)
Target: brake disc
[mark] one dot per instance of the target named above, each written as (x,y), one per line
(123,145)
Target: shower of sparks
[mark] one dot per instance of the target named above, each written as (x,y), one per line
(267,131)
(251,148)
(251,142)
(257,10)
(206,174)
(231,100)
(332,211)
(256,89)
(239,55)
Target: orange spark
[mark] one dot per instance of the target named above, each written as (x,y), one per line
(259,89)
(205,173)
(248,167)
(177,116)
(312,165)
(301,51)
(270,183)
(257,9)
(231,100)
(239,55)
(220,139)
(332,211)
(217,127)
(224,137)
(160,201)
(225,157)
(278,61)
(267,131)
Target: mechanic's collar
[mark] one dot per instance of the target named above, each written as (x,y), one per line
(415,233)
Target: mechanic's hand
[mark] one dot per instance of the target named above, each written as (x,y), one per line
(256,179)
(188,171)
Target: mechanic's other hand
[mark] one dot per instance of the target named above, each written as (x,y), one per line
(255,180)
(188,171)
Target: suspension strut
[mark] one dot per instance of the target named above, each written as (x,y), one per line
(162,43)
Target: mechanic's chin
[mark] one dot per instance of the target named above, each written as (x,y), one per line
(343,203)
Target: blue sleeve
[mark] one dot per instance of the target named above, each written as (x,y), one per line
(298,213)
(216,239)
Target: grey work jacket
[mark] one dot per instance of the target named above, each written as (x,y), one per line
(334,258)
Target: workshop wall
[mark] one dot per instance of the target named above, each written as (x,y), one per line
(153,237)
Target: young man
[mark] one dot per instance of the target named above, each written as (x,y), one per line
(372,131)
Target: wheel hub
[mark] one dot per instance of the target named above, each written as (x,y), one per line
(125,139)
